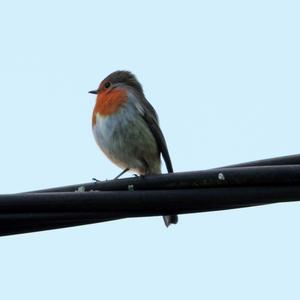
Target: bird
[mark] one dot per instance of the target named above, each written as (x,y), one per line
(126,128)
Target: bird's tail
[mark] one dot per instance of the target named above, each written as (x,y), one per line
(169,219)
(172,219)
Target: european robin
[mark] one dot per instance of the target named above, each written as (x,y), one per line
(126,128)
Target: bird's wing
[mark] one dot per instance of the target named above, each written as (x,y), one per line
(151,119)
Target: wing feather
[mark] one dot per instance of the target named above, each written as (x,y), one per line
(151,119)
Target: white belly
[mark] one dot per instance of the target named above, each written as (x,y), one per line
(126,140)
(106,132)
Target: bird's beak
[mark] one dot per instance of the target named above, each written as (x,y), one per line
(94,92)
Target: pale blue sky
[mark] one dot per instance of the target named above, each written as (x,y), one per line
(224,79)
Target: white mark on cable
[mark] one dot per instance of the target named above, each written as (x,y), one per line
(80,189)
(221,176)
(130,187)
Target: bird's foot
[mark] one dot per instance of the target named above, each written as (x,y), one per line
(96,180)
(123,172)
(139,176)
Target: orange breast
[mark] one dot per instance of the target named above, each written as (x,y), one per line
(109,102)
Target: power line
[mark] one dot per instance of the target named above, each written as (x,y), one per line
(250,184)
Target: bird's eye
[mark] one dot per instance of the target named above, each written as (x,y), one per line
(107,84)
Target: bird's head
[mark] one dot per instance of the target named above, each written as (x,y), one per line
(112,92)
(118,80)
